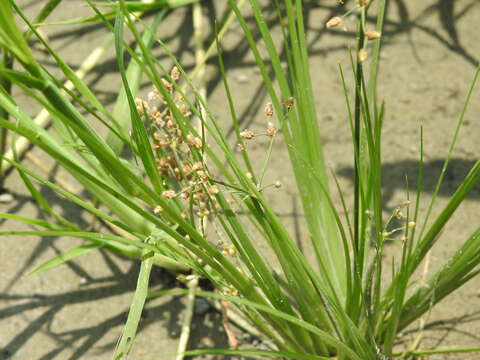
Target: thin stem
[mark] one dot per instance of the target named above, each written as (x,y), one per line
(187,319)
(265,164)
(6,84)
(438,351)
(357,139)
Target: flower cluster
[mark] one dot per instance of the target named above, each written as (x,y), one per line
(337,21)
(177,151)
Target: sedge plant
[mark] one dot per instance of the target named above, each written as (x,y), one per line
(178,177)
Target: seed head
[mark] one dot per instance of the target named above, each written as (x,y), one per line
(232,291)
(399,214)
(184,110)
(159,123)
(151,96)
(169,194)
(141,105)
(187,169)
(289,103)
(194,141)
(232,251)
(362,55)
(157,135)
(363,2)
(162,163)
(202,175)
(168,85)
(334,22)
(203,213)
(411,224)
(197,166)
(178,174)
(158,210)
(247,134)
(271,131)
(372,34)
(164,142)
(278,184)
(175,73)
(154,114)
(269,109)
(213,190)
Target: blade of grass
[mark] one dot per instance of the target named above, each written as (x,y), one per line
(42,119)
(44,13)
(64,257)
(139,132)
(40,199)
(427,242)
(449,277)
(6,62)
(136,308)
(329,339)
(140,6)
(134,76)
(257,353)
(440,351)
(35,222)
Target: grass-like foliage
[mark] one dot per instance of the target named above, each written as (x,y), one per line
(177,196)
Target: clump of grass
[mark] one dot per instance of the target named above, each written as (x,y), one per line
(176,181)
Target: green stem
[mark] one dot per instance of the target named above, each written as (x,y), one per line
(357,135)
(138,302)
(6,84)
(438,351)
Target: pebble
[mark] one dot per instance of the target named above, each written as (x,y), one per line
(6,198)
(242,78)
